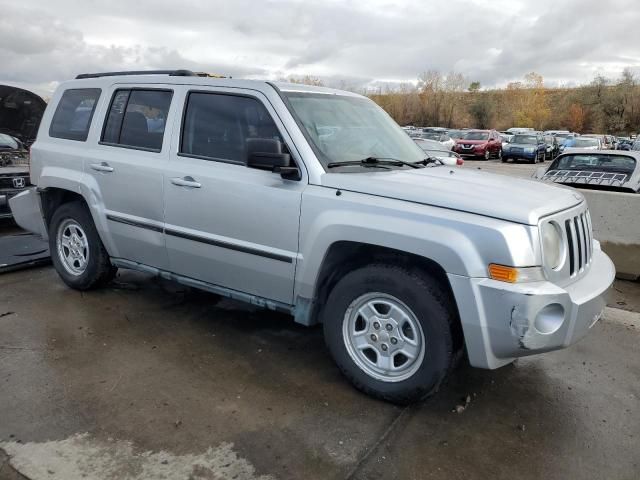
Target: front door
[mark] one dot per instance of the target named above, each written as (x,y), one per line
(227,224)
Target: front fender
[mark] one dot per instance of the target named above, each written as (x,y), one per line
(461,243)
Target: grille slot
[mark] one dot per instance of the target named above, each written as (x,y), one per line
(579,242)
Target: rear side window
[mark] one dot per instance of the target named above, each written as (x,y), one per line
(137,118)
(73,115)
(217,126)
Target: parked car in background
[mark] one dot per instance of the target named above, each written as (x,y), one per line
(552,147)
(562,137)
(444,139)
(624,143)
(505,136)
(517,130)
(582,142)
(456,134)
(14,171)
(601,170)
(479,144)
(436,150)
(606,141)
(636,145)
(529,147)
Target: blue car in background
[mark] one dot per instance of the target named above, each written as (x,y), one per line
(529,147)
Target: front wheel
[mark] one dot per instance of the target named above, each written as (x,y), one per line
(77,252)
(487,154)
(390,332)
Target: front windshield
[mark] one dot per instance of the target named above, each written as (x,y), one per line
(610,163)
(7,141)
(345,128)
(585,142)
(476,136)
(525,139)
(456,134)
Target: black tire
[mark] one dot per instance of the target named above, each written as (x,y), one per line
(98,271)
(499,154)
(487,155)
(433,309)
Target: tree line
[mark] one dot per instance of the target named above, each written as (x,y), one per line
(601,106)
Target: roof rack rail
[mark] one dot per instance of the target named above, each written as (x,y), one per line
(173,73)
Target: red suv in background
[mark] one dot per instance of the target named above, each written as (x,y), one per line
(479,143)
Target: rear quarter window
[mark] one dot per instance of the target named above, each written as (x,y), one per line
(137,118)
(73,115)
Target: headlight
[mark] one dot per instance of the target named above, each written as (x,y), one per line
(552,245)
(530,149)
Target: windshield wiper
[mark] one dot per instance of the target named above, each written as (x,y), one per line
(373,161)
(429,160)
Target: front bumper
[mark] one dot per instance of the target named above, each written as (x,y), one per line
(503,321)
(27,211)
(520,155)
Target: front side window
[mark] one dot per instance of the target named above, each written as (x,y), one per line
(217,126)
(73,115)
(137,118)
(345,128)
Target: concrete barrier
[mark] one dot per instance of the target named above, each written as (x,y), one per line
(616,224)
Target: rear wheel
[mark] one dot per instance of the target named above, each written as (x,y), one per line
(389,330)
(77,252)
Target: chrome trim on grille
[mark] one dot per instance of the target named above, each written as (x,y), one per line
(577,236)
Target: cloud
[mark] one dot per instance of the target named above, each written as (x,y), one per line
(44,42)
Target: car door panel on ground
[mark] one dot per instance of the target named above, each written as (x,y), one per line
(128,167)
(216,230)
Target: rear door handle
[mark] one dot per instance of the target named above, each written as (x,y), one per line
(187,181)
(102,167)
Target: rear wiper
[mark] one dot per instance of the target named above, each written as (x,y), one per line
(374,161)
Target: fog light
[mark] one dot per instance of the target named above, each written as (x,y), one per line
(550,318)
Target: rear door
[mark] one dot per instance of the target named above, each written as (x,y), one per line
(127,169)
(228,224)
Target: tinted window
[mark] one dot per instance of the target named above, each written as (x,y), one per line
(218,126)
(137,118)
(74,113)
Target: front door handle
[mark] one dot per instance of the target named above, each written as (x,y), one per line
(187,181)
(102,167)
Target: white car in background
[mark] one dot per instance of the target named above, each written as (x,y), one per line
(435,149)
(581,143)
(441,137)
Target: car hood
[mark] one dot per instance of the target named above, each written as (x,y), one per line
(498,196)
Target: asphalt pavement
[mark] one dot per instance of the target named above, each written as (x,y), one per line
(147,379)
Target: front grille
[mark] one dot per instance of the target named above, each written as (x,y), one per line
(579,242)
(7,182)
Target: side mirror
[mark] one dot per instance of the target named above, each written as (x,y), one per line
(267,154)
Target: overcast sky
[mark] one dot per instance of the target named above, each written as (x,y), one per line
(359,42)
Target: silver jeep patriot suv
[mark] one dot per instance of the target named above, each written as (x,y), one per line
(314,202)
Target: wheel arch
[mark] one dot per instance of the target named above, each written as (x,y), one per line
(344,256)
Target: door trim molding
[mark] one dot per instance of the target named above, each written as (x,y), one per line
(229,246)
(198,238)
(134,223)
